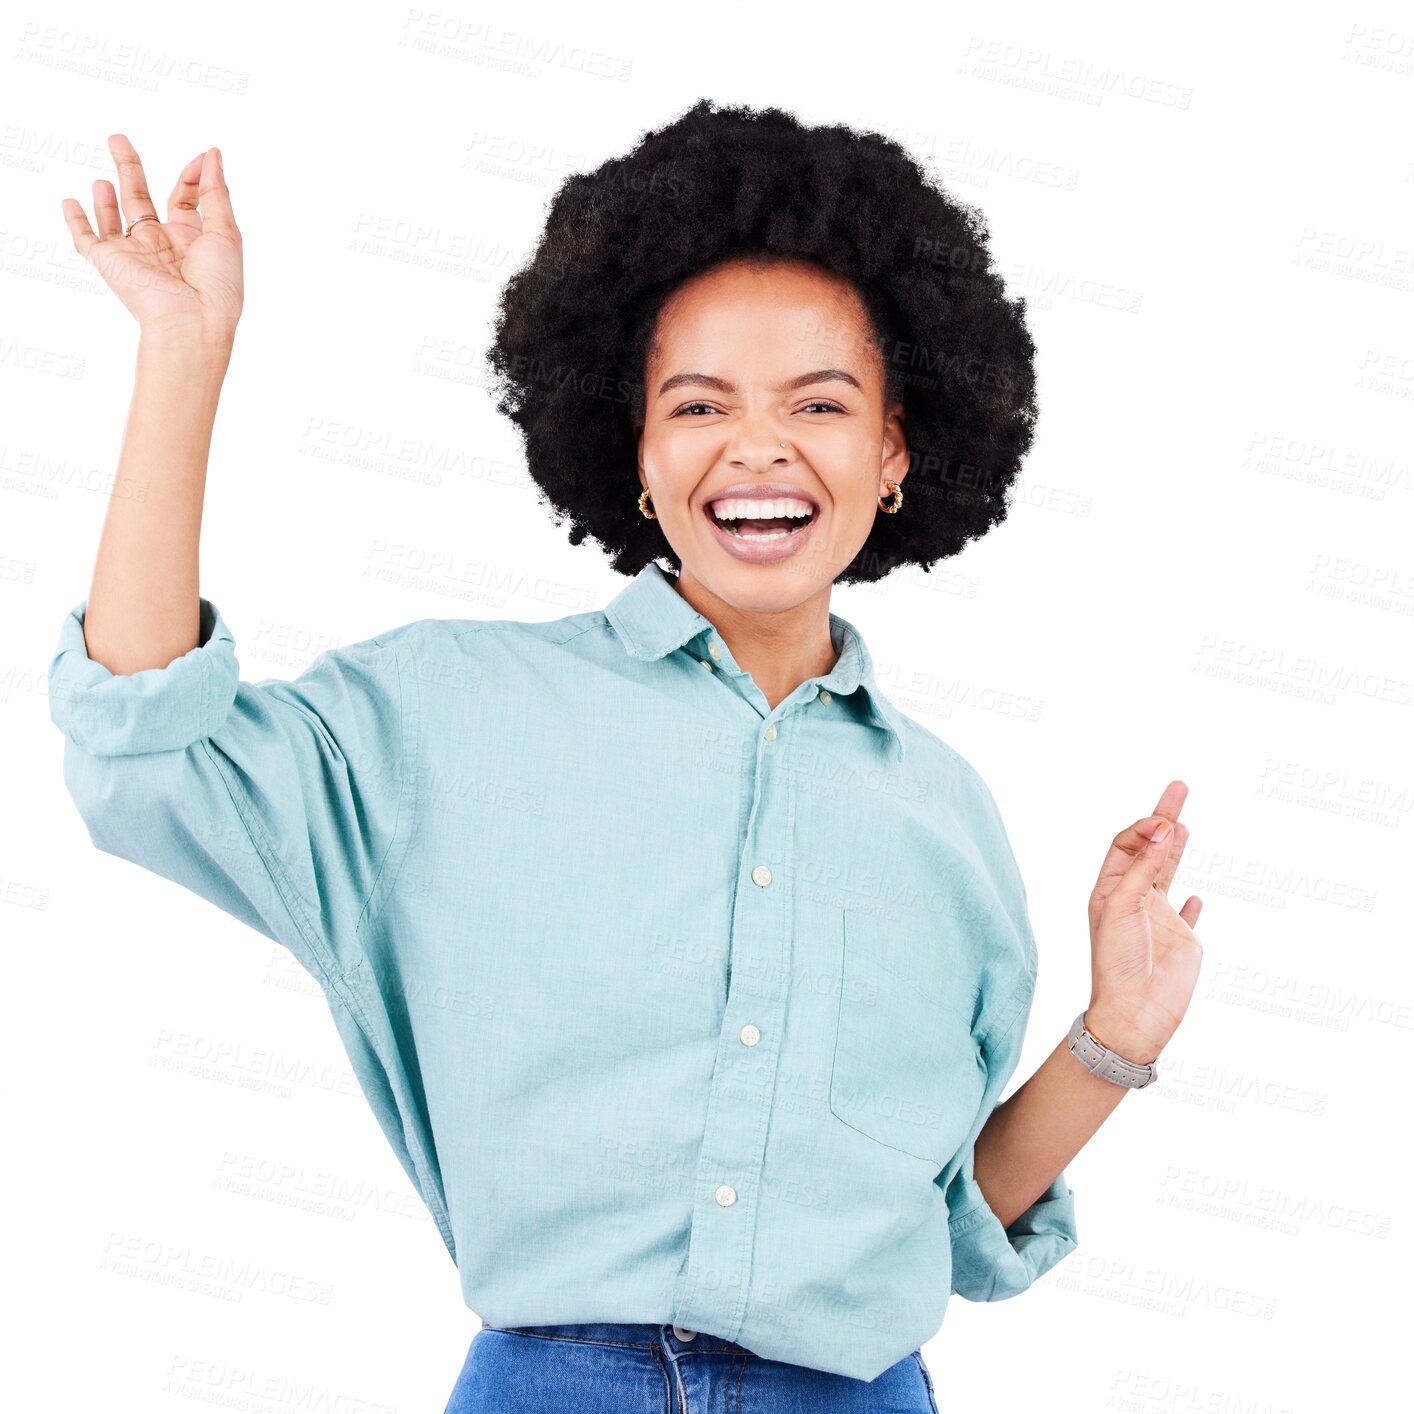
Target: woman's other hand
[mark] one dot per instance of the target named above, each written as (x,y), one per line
(1145,956)
(181,277)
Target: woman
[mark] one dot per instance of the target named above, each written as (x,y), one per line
(681,969)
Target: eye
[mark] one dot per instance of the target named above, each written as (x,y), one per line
(823,403)
(685,407)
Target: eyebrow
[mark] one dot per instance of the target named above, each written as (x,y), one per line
(706,380)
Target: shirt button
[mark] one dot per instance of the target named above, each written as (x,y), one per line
(770,732)
(705,664)
(749,1035)
(761,875)
(683,1334)
(825,696)
(725,1195)
(715,648)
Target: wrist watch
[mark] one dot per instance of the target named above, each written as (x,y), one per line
(1099,1060)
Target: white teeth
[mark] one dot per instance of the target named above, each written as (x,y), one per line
(755,509)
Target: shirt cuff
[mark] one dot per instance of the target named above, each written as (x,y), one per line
(156,709)
(990,1262)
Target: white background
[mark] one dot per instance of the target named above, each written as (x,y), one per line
(1207,576)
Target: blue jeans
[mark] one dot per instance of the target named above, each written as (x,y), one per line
(611,1368)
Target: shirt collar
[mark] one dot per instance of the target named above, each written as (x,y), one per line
(652,619)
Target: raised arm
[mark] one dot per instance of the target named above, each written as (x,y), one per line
(182,280)
(287,804)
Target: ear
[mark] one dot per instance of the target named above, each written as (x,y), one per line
(896,458)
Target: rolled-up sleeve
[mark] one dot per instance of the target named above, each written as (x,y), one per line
(287,804)
(991,1262)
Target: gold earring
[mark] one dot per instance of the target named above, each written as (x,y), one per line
(897,492)
(652,515)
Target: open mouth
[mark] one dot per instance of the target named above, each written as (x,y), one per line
(761,520)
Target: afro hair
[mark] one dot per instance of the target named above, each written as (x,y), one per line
(573,329)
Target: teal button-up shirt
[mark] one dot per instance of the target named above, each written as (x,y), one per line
(673,1006)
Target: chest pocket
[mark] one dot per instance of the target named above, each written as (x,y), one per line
(907,1070)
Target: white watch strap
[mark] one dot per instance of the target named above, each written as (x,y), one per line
(1100,1060)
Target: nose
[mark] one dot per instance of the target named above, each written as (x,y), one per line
(757,445)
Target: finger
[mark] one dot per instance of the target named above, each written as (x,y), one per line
(1139,877)
(1171,801)
(105,210)
(215,198)
(132,180)
(181,205)
(77,221)
(1175,855)
(1124,849)
(1169,805)
(1190,910)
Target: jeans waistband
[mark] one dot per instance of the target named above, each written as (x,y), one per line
(631,1333)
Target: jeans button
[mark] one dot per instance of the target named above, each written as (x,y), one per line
(683,1334)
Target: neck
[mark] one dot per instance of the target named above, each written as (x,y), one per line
(779,648)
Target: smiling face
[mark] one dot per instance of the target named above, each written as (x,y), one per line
(747,358)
